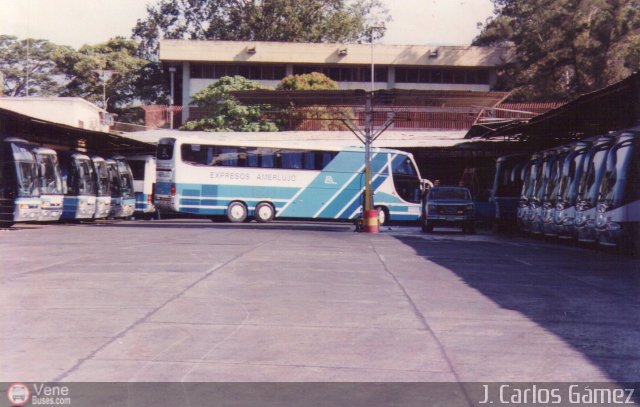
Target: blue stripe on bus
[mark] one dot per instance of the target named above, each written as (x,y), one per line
(353,190)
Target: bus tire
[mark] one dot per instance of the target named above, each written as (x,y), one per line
(383,215)
(264,212)
(236,212)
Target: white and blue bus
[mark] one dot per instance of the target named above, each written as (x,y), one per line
(246,179)
(49,183)
(121,183)
(19,193)
(567,194)
(595,165)
(618,204)
(78,186)
(103,189)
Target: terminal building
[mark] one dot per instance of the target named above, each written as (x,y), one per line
(194,65)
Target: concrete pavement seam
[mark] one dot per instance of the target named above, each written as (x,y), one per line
(145,317)
(423,320)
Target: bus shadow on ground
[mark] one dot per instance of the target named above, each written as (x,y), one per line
(587,298)
(203,224)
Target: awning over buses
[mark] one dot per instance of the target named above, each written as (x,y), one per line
(615,107)
(65,137)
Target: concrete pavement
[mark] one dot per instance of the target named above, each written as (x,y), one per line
(190,300)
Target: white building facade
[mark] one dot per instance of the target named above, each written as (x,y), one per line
(197,64)
(71,111)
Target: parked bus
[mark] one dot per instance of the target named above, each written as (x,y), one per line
(143,169)
(19,193)
(507,185)
(78,186)
(121,183)
(618,205)
(543,175)
(103,189)
(532,176)
(545,223)
(592,174)
(263,180)
(572,168)
(49,184)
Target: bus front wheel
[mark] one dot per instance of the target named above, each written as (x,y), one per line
(236,212)
(264,212)
(383,215)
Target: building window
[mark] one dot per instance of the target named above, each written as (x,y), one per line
(353,73)
(249,71)
(434,75)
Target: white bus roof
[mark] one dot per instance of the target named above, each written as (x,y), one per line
(309,139)
(44,150)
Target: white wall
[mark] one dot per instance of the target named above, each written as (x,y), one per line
(74,112)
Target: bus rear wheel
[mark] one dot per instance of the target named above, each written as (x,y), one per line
(236,212)
(264,212)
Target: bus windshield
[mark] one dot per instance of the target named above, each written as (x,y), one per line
(507,180)
(615,178)
(126,179)
(102,178)
(26,172)
(406,180)
(49,174)
(592,176)
(114,179)
(570,178)
(552,187)
(85,176)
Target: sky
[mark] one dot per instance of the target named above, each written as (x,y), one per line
(79,22)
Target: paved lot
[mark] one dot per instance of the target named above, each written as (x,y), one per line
(190,300)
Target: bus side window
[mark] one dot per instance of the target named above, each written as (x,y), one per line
(291,160)
(253,158)
(267,158)
(309,160)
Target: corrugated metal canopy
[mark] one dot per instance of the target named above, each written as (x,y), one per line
(42,132)
(612,108)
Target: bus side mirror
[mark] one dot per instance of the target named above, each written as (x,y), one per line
(65,189)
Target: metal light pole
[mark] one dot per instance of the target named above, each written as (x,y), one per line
(104,75)
(368,133)
(172,71)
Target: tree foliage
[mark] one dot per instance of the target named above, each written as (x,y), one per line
(82,70)
(30,58)
(258,20)
(308,81)
(564,48)
(224,113)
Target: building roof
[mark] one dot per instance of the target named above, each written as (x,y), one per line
(13,124)
(612,108)
(290,139)
(6,100)
(322,53)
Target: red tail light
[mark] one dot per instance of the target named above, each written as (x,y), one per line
(173,189)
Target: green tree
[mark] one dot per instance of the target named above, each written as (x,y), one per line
(258,20)
(224,113)
(323,117)
(82,69)
(308,81)
(564,48)
(30,58)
